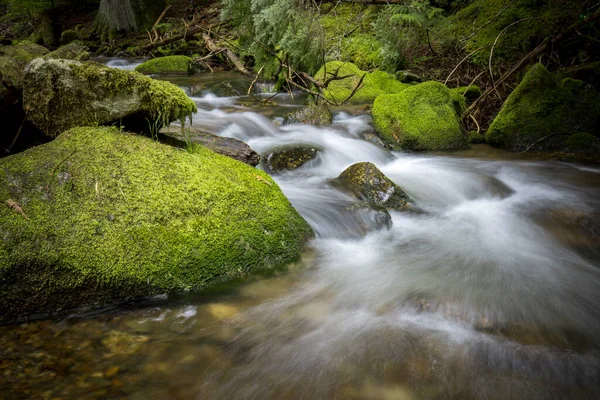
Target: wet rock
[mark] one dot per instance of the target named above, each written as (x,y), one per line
(289,158)
(61,94)
(365,181)
(319,115)
(367,217)
(72,51)
(228,147)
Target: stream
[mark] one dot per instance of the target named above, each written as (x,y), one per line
(492,291)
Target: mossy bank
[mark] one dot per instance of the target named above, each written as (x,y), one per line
(98,217)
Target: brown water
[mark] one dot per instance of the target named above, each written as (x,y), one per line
(493,292)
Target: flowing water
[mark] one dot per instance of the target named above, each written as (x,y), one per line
(492,291)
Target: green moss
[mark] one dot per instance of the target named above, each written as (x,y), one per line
(543,107)
(72,51)
(68,36)
(170,65)
(61,94)
(13,60)
(481,21)
(582,143)
(422,117)
(475,137)
(374,84)
(469,92)
(363,50)
(111,216)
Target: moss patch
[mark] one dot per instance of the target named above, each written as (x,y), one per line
(61,94)
(374,84)
(112,216)
(582,143)
(72,51)
(487,18)
(13,60)
(422,117)
(544,107)
(170,65)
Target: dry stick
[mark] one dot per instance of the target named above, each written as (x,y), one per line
(476,123)
(496,42)
(504,8)
(232,57)
(354,90)
(254,82)
(539,141)
(17,135)
(462,61)
(162,15)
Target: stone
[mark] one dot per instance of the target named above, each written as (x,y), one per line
(229,147)
(365,181)
(169,65)
(318,115)
(288,159)
(408,77)
(72,51)
(62,94)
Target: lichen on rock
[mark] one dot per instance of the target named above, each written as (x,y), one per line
(169,65)
(109,216)
(319,115)
(422,117)
(543,111)
(62,94)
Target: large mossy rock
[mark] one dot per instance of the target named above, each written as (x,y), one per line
(229,147)
(365,181)
(318,115)
(543,111)
(169,65)
(98,216)
(374,83)
(422,117)
(62,94)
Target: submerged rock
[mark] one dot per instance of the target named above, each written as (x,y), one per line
(169,65)
(408,77)
(422,117)
(542,111)
(365,181)
(288,159)
(62,94)
(98,217)
(319,115)
(368,217)
(226,146)
(374,83)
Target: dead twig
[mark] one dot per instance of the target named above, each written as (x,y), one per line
(15,206)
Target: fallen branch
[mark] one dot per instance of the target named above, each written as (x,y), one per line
(230,55)
(15,206)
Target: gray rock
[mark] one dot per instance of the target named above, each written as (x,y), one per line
(229,147)
(72,51)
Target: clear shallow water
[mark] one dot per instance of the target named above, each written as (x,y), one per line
(492,292)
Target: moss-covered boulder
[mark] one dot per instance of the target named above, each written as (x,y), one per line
(476,137)
(61,94)
(68,36)
(72,51)
(169,65)
(374,83)
(98,216)
(365,181)
(422,117)
(289,158)
(319,115)
(471,92)
(543,111)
